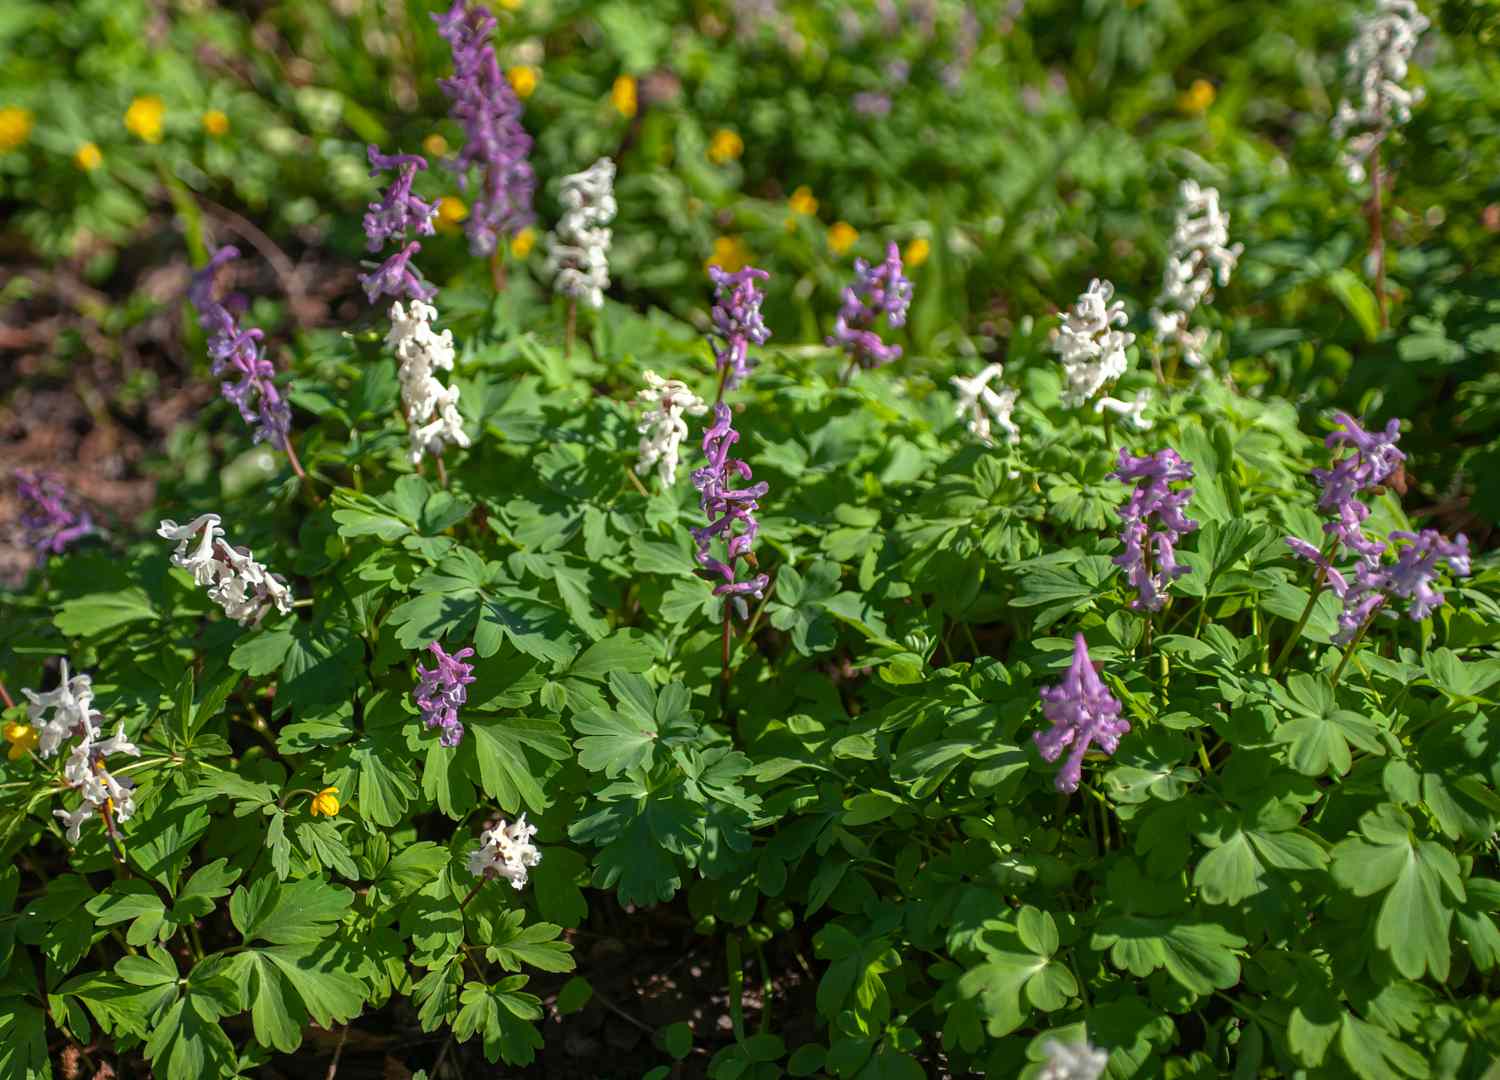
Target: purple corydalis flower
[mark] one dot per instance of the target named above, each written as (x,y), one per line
(395,277)
(237,353)
(1082,712)
(51,517)
(737,320)
(727,506)
(872,104)
(877,290)
(398,209)
(1416,567)
(1153,497)
(495,142)
(1374,458)
(443,691)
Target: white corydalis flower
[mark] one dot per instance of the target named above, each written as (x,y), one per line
(71,706)
(662,427)
(1079,1061)
(432,418)
(1200,257)
(983,406)
(1375,102)
(578,249)
(244,588)
(85,770)
(506,851)
(1091,350)
(1131,412)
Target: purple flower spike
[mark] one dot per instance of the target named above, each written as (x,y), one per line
(443,691)
(51,517)
(877,290)
(495,142)
(1416,567)
(1375,458)
(1153,497)
(737,320)
(398,210)
(1082,712)
(236,353)
(395,277)
(726,506)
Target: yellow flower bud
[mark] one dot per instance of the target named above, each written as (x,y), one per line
(215,123)
(22,738)
(842,236)
(1196,98)
(451,210)
(622,96)
(15,127)
(523,80)
(802,201)
(435,145)
(87,157)
(730,254)
(325,802)
(144,118)
(725,147)
(522,243)
(916,252)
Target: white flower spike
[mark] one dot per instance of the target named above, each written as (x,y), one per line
(85,770)
(1376,103)
(578,249)
(1080,1061)
(662,427)
(244,588)
(1091,350)
(72,709)
(506,851)
(1132,412)
(984,406)
(432,418)
(1200,257)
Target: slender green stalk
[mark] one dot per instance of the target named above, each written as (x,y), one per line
(1317,590)
(734,963)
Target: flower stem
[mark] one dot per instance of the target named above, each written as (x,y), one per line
(497,268)
(1354,644)
(1377,235)
(572,327)
(724,671)
(472,893)
(1286,649)
(5,696)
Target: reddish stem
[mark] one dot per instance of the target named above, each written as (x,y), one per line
(5,697)
(1377,235)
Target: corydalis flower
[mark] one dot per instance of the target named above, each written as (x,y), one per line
(1083,714)
(395,277)
(1367,590)
(49,515)
(981,405)
(432,418)
(72,715)
(398,210)
(1373,459)
(1153,498)
(1376,103)
(662,427)
(1131,412)
(737,320)
(443,690)
(244,588)
(578,249)
(877,290)
(236,353)
(1091,350)
(728,507)
(506,851)
(1200,256)
(484,103)
(1075,1061)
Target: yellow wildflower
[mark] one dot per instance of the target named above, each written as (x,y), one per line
(622,96)
(87,157)
(842,236)
(435,145)
(916,252)
(523,80)
(511,5)
(522,243)
(725,147)
(451,210)
(215,123)
(325,802)
(22,737)
(144,118)
(802,201)
(730,254)
(1196,98)
(15,127)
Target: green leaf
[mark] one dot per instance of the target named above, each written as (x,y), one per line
(287,984)
(89,616)
(300,913)
(504,1016)
(624,650)
(23,1040)
(505,772)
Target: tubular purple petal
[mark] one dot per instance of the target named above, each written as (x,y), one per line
(1083,713)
